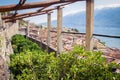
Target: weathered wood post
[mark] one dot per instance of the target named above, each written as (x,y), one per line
(89,24)
(59,30)
(27,32)
(40,36)
(38,33)
(17,27)
(3,22)
(49,29)
(6,24)
(0,21)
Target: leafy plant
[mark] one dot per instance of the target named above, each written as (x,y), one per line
(75,65)
(21,44)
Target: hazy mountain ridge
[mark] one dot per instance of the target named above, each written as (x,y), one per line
(102,17)
(106,21)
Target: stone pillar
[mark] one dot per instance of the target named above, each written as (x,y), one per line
(89,24)
(59,30)
(49,29)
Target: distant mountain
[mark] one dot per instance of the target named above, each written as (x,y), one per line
(102,17)
(106,21)
(109,16)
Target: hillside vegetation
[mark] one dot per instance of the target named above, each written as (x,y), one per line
(30,63)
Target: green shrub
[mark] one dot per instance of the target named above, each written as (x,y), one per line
(31,63)
(74,65)
(21,44)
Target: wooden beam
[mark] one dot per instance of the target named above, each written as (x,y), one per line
(42,8)
(32,5)
(18,18)
(18,15)
(89,24)
(38,11)
(59,30)
(67,3)
(26,14)
(49,29)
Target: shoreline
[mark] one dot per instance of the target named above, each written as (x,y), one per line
(107,42)
(69,40)
(78,37)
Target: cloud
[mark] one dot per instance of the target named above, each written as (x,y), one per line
(73,12)
(96,8)
(107,6)
(42,19)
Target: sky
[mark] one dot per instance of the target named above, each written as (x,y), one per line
(67,10)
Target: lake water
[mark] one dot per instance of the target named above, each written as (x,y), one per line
(105,30)
(106,22)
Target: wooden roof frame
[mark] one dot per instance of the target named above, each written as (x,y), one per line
(30,14)
(33,5)
(25,14)
(89,16)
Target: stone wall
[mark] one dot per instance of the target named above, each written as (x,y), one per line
(2,45)
(42,45)
(4,73)
(5,39)
(6,32)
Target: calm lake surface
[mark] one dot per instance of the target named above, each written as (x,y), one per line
(106,30)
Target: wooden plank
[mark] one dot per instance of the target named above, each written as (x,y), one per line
(32,5)
(42,8)
(26,14)
(89,24)
(49,29)
(59,30)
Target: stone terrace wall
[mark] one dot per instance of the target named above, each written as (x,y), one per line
(42,45)
(6,32)
(5,39)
